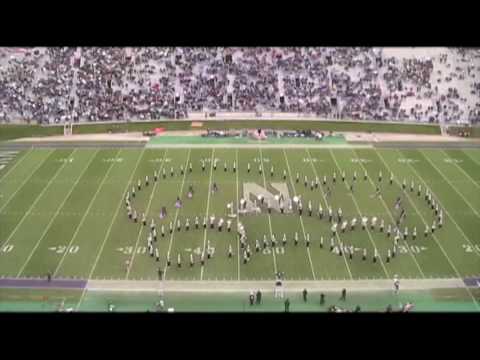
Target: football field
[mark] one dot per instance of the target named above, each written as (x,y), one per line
(63,211)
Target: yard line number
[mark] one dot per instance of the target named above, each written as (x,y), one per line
(407,160)
(313,160)
(471,248)
(66,160)
(453,161)
(65,249)
(159,160)
(258,160)
(113,160)
(360,161)
(6,249)
(278,251)
(413,248)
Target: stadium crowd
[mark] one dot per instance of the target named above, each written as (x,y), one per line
(52,85)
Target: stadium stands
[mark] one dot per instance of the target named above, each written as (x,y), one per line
(54,85)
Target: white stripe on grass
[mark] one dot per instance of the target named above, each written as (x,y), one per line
(301,220)
(146,212)
(16,164)
(438,242)
(176,215)
(269,219)
(26,180)
(110,227)
(55,215)
(326,202)
(448,181)
(79,226)
(208,207)
(446,211)
(359,213)
(471,157)
(39,196)
(463,171)
(391,216)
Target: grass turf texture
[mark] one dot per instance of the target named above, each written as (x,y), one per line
(63,211)
(8,132)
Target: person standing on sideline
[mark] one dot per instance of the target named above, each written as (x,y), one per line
(259,297)
(287,305)
(304,295)
(251,298)
(396,284)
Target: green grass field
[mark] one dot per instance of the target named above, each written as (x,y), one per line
(63,211)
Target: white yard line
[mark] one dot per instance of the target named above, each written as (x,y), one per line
(301,220)
(55,215)
(79,226)
(438,242)
(238,215)
(26,180)
(39,196)
(463,171)
(328,205)
(146,214)
(391,216)
(269,219)
(208,207)
(444,208)
(176,215)
(359,213)
(471,157)
(15,165)
(99,253)
(448,181)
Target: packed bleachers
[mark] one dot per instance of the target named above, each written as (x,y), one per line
(52,85)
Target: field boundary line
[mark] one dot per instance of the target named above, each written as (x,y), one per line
(34,202)
(212,160)
(26,180)
(301,220)
(55,215)
(449,183)
(328,205)
(462,170)
(85,214)
(223,286)
(391,215)
(16,163)
(444,208)
(146,214)
(438,242)
(360,214)
(100,251)
(269,218)
(257,146)
(176,215)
